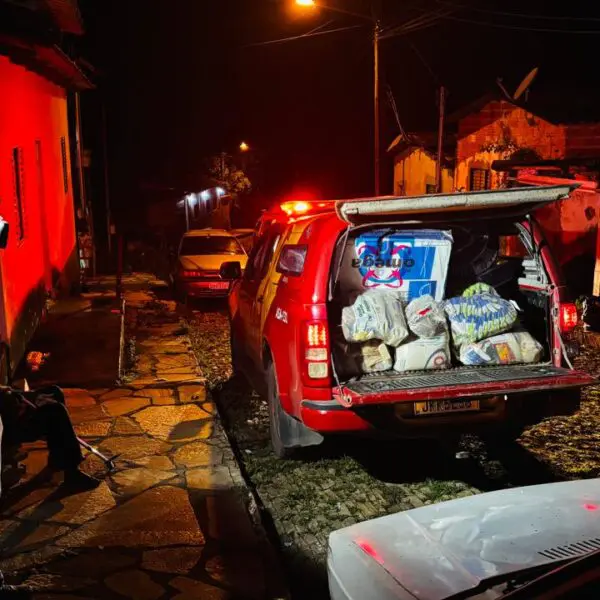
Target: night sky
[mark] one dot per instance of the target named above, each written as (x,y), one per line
(181,81)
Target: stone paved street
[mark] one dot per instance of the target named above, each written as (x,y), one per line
(174,519)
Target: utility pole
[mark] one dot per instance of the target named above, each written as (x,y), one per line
(440,147)
(186,200)
(376,108)
(223,156)
(86,210)
(106,190)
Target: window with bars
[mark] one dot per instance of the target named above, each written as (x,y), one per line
(63,152)
(18,181)
(479,179)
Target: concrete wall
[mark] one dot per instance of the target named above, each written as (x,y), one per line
(42,246)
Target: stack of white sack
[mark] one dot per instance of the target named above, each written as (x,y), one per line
(375,315)
(503,349)
(429,347)
(352,360)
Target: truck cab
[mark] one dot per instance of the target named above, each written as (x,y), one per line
(286,320)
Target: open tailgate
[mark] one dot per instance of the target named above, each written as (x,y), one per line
(462,206)
(463,382)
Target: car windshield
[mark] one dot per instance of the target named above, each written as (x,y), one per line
(194,246)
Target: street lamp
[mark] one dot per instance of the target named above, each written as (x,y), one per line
(374,20)
(244,147)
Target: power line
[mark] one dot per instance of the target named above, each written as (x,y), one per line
(519,28)
(422,58)
(303,36)
(517,14)
(427,19)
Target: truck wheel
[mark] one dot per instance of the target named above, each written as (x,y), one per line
(276,415)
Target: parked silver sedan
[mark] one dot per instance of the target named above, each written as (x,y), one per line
(528,543)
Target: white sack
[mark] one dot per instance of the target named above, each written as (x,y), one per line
(423,354)
(375,315)
(504,349)
(426,318)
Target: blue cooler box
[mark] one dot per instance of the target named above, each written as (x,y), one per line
(413,262)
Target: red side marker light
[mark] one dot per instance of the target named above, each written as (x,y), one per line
(568,317)
(368,549)
(591,507)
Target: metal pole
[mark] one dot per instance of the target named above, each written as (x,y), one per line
(84,206)
(187,213)
(119,267)
(106,190)
(376,107)
(440,148)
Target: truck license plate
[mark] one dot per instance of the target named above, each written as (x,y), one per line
(219,285)
(436,407)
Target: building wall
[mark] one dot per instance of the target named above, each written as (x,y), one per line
(499,122)
(42,243)
(414,171)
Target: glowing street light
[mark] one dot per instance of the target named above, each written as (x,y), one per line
(305,2)
(244,147)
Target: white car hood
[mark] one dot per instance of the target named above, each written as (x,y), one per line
(436,551)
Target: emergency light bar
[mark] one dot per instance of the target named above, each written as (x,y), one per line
(300,207)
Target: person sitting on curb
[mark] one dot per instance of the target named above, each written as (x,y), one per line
(30,416)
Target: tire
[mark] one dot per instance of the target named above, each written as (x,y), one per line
(275,410)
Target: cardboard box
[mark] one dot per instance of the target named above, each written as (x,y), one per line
(414,262)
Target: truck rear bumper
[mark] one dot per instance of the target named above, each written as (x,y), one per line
(330,416)
(400,420)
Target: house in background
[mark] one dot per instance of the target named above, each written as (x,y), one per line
(494,128)
(37,195)
(415,165)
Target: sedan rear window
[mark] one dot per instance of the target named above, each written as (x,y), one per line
(197,246)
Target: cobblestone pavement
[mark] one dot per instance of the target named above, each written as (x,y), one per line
(172,521)
(348,480)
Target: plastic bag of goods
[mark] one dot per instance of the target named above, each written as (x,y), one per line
(375,315)
(426,318)
(413,262)
(479,316)
(352,360)
(423,354)
(504,349)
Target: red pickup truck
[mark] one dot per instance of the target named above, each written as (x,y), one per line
(286,310)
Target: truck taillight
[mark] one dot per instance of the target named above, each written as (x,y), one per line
(189,274)
(316,350)
(568,317)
